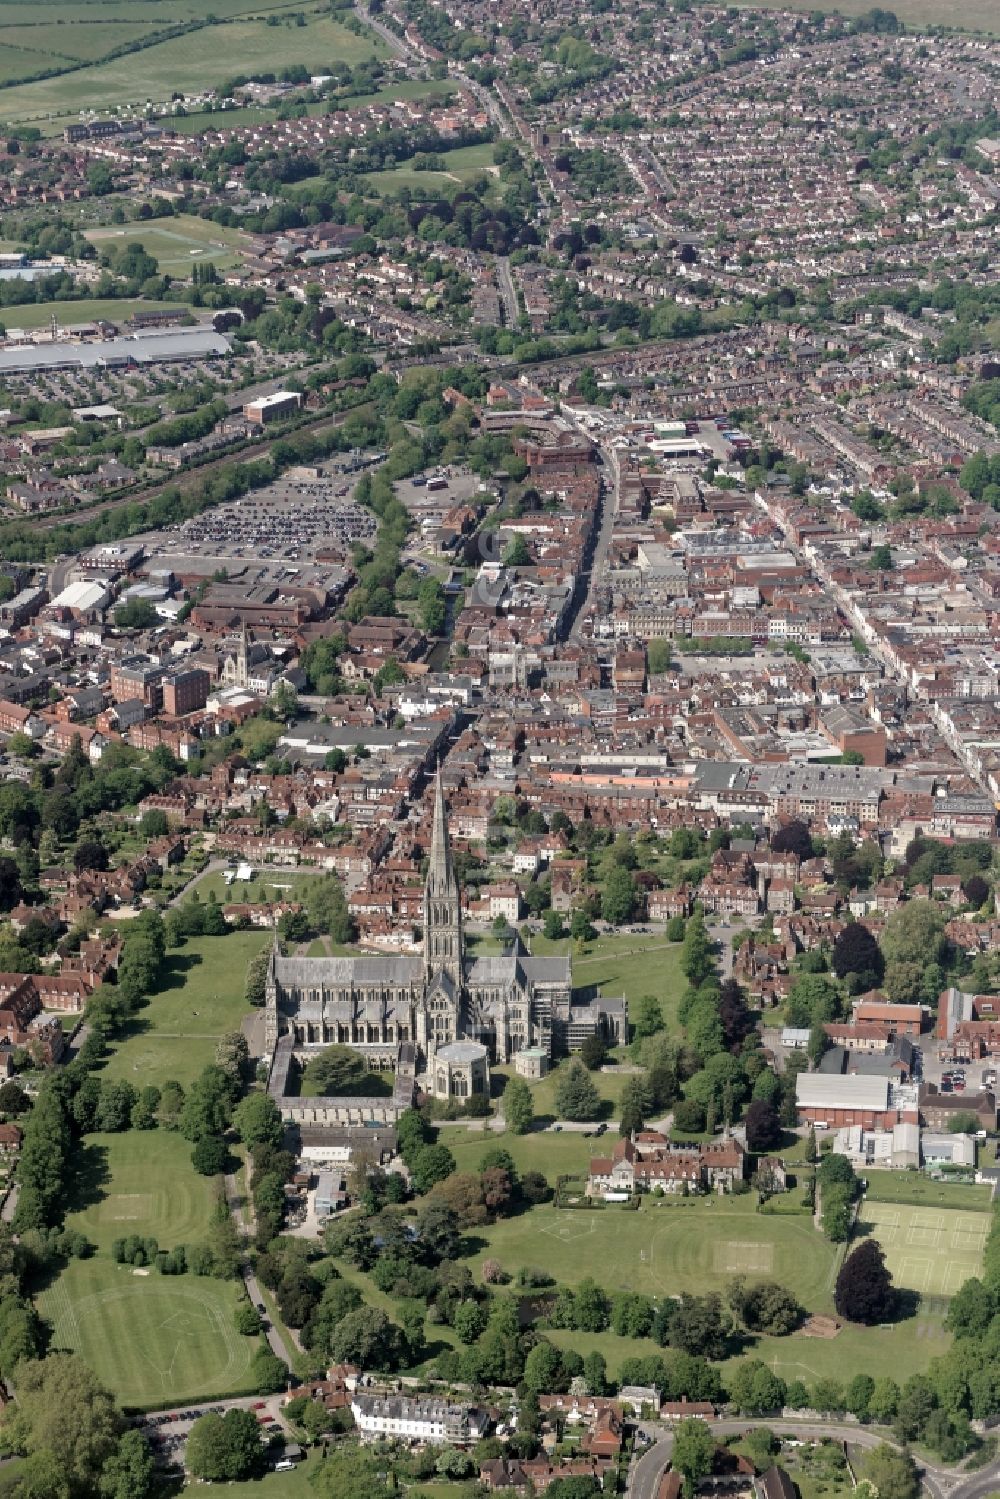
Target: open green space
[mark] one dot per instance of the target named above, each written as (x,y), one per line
(969,15)
(294,1485)
(608,1084)
(565,1154)
(930,1250)
(629,963)
(200,59)
(924,1191)
(150,1338)
(893,1352)
(669,1246)
(202,997)
(270,884)
(68,314)
(177,243)
(460,167)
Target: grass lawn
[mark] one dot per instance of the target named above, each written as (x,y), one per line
(632,964)
(267,884)
(970,15)
(177,243)
(198,60)
(150,1338)
(894,1352)
(460,167)
(554,1155)
(609,1085)
(39,314)
(922,1191)
(670,1246)
(202,998)
(930,1250)
(294,1485)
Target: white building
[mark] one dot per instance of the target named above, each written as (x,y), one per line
(418,1420)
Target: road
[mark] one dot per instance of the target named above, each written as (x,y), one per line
(505,281)
(395,43)
(235,1203)
(596,566)
(940,1483)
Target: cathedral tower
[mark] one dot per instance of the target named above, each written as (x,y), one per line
(442,902)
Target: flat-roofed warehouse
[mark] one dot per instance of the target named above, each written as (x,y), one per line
(158,346)
(837,1100)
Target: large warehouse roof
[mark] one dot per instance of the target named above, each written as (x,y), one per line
(155,347)
(820,1090)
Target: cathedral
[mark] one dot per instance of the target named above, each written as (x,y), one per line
(506,1002)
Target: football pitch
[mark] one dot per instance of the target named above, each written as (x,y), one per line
(930,1250)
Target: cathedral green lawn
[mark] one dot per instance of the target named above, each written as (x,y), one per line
(151,1338)
(629,963)
(202,997)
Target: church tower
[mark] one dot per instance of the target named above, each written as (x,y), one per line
(442,902)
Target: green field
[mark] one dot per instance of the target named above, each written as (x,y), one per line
(270,884)
(970,15)
(922,1191)
(294,1485)
(670,1246)
(461,167)
(930,1250)
(632,964)
(151,1338)
(199,60)
(67,314)
(565,1154)
(175,1035)
(609,1085)
(177,243)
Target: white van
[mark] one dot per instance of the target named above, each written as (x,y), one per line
(284,1466)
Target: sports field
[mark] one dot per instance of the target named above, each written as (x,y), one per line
(202,998)
(671,1246)
(177,243)
(150,1338)
(69,314)
(930,1250)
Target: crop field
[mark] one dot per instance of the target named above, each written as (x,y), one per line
(200,59)
(970,15)
(177,243)
(150,1338)
(176,1034)
(668,1247)
(930,1250)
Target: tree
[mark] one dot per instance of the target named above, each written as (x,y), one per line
(210,1156)
(618,898)
(432,1164)
(594,1052)
(856,951)
(542,1368)
(694,1451)
(915,932)
(13,1100)
(257,1120)
(366,1337)
(64,1413)
(647,1016)
(336,1071)
(864,1290)
(754,1390)
(793,838)
(208,1106)
(129,1471)
(577,1097)
(763,1126)
(635,1105)
(518,1106)
(225,1448)
(892,1474)
(765,1307)
(916,1401)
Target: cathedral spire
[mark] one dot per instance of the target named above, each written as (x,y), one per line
(440,874)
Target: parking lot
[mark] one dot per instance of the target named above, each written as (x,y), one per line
(168,1431)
